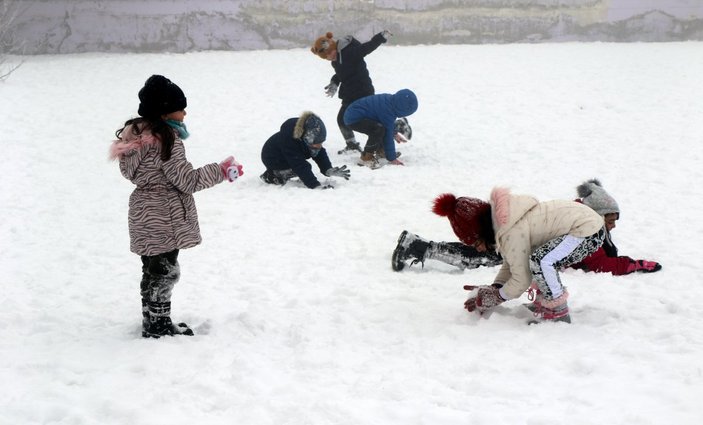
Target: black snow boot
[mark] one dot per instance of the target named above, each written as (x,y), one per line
(277,177)
(352,146)
(410,247)
(160,323)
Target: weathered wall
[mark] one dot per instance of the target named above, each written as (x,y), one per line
(63,26)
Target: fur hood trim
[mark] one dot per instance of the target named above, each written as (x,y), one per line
(500,198)
(299,128)
(130,142)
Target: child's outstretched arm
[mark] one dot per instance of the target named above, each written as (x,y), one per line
(187,179)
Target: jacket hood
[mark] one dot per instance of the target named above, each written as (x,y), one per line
(508,208)
(310,128)
(341,44)
(130,141)
(404,103)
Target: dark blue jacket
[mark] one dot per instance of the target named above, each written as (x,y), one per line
(282,152)
(351,73)
(383,108)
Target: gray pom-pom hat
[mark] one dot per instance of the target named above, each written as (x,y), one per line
(592,194)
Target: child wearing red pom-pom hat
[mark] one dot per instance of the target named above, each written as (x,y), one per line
(535,240)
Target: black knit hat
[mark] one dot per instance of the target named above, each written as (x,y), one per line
(160,96)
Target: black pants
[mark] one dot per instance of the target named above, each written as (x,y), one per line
(374,129)
(347,132)
(461,255)
(159,275)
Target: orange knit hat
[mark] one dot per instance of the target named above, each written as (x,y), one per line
(324,45)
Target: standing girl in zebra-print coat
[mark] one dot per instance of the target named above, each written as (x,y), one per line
(162,215)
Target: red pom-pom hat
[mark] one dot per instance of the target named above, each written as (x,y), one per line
(464,215)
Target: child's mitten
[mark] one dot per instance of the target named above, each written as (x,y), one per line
(231,169)
(488,296)
(643,266)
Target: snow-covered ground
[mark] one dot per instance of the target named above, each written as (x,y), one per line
(298,315)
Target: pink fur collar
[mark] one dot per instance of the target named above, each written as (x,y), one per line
(500,198)
(129,142)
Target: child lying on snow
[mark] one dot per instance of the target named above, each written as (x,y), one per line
(606,258)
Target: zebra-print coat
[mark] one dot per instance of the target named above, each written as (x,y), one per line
(162,215)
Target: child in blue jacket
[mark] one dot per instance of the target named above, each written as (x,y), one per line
(376,117)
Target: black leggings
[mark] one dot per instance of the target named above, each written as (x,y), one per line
(159,275)
(347,132)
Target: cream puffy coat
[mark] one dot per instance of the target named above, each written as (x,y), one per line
(522,224)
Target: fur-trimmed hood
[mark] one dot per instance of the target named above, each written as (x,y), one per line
(310,128)
(299,128)
(508,209)
(130,142)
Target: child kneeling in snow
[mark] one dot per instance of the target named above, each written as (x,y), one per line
(285,154)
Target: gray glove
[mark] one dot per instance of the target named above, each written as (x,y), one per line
(331,89)
(338,172)
(386,34)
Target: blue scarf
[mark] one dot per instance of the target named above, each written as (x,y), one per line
(180,128)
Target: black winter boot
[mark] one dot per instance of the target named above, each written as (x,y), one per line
(278,177)
(352,146)
(160,323)
(410,247)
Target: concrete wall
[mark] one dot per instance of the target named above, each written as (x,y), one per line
(63,26)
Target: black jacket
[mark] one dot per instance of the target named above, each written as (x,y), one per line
(282,152)
(351,73)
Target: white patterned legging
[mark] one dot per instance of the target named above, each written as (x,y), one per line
(557,253)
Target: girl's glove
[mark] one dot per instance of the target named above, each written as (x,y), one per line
(643,266)
(338,172)
(331,89)
(386,34)
(231,169)
(488,296)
